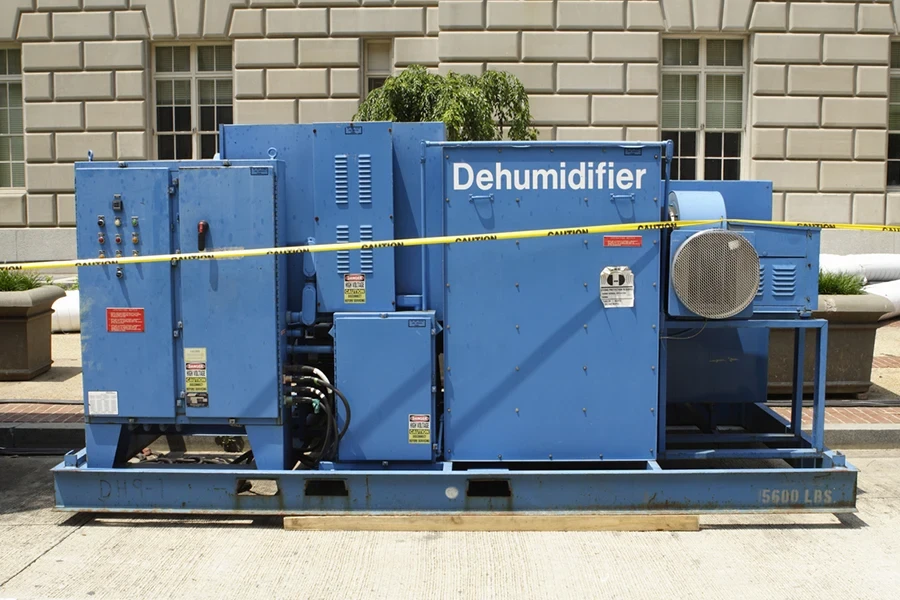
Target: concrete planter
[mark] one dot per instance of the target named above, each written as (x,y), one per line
(852,323)
(25,332)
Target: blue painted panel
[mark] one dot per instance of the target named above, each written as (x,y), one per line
(789,260)
(137,366)
(731,363)
(697,206)
(293,145)
(354,201)
(536,367)
(234,309)
(408,190)
(743,199)
(384,364)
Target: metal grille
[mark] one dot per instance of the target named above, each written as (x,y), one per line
(715,273)
(341,180)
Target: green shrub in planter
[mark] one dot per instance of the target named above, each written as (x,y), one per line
(19,281)
(840,284)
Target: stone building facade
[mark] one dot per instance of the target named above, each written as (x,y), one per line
(803,92)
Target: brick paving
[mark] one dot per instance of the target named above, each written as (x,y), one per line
(888,361)
(835,415)
(41,413)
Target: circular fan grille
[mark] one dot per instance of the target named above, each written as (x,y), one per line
(715,273)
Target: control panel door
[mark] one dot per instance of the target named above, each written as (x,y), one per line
(230,357)
(126,311)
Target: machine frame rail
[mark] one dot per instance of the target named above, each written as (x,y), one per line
(829,488)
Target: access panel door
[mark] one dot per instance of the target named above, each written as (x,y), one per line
(550,343)
(230,356)
(126,311)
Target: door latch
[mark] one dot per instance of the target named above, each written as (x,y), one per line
(202,229)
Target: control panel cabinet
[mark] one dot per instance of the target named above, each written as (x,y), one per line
(190,341)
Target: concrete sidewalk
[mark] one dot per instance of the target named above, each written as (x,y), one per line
(764,557)
(51,412)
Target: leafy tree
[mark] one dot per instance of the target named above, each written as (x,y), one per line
(471,108)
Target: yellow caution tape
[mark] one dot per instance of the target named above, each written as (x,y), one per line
(845,226)
(423,241)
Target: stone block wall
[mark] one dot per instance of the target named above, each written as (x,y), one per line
(816,104)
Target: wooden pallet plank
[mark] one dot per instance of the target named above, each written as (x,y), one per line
(494,522)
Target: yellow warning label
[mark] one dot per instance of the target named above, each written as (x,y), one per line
(195,355)
(419,429)
(195,384)
(354,289)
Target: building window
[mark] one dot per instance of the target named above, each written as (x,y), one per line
(194,95)
(703,106)
(12,139)
(893,157)
(377,64)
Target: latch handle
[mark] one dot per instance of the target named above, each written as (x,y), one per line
(202,228)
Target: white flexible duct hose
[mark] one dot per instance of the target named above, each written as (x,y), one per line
(890,290)
(832,263)
(66,314)
(872,267)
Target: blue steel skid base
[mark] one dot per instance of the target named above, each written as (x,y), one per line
(809,478)
(639,487)
(572,372)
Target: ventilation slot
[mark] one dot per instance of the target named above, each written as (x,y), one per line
(326,487)
(762,281)
(343,256)
(488,488)
(784,281)
(341,180)
(365,179)
(366,258)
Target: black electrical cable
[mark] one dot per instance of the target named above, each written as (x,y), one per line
(317,381)
(329,443)
(246,456)
(329,450)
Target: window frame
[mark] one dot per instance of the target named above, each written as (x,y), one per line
(702,70)
(367,72)
(17,78)
(893,73)
(194,76)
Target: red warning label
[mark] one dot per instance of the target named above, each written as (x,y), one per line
(125,320)
(623,241)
